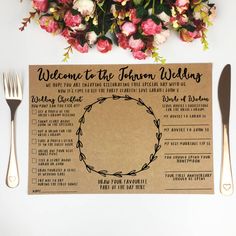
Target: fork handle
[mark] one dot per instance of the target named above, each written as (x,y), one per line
(12,179)
(226,183)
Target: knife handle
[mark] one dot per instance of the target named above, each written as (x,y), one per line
(226,178)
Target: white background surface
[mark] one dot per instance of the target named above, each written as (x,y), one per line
(87,215)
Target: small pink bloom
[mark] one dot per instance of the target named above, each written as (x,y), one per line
(64,1)
(140,55)
(104,45)
(49,24)
(72,20)
(123,2)
(149,27)
(133,16)
(181,3)
(123,41)
(128,28)
(66,33)
(81,48)
(136,44)
(41,5)
(182,19)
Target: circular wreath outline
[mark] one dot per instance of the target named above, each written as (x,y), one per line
(104,173)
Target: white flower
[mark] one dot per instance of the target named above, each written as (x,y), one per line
(161,38)
(164,17)
(85,7)
(91,37)
(81,27)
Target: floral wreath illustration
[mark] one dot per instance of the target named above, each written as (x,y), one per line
(153,156)
(140,26)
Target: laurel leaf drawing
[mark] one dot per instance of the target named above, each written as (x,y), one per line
(118,174)
(152,158)
(82,157)
(127,97)
(78,132)
(101,100)
(145,166)
(103,172)
(157,123)
(79,144)
(82,119)
(116,97)
(150,111)
(89,168)
(132,173)
(140,102)
(88,108)
(159,135)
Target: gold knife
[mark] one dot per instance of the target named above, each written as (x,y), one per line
(226,177)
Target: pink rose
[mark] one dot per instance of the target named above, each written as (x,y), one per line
(41,5)
(136,44)
(182,5)
(182,19)
(122,41)
(128,28)
(72,20)
(104,45)
(81,48)
(149,27)
(140,55)
(133,16)
(49,24)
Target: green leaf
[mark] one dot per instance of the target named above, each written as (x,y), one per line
(141,12)
(190,28)
(159,8)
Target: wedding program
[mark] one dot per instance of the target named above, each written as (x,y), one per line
(120,129)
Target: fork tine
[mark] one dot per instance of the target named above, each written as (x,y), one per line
(19,86)
(14,87)
(10,84)
(5,85)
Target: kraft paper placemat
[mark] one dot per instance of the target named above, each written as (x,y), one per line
(120,129)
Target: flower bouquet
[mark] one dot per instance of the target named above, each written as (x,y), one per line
(139,26)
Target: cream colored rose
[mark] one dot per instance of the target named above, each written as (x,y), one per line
(85,7)
(164,17)
(91,37)
(161,38)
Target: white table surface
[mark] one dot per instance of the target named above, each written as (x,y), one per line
(87,215)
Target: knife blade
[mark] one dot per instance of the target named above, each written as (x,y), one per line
(226,177)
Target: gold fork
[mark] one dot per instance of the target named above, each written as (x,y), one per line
(13,94)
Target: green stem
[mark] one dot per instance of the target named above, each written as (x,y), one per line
(153,7)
